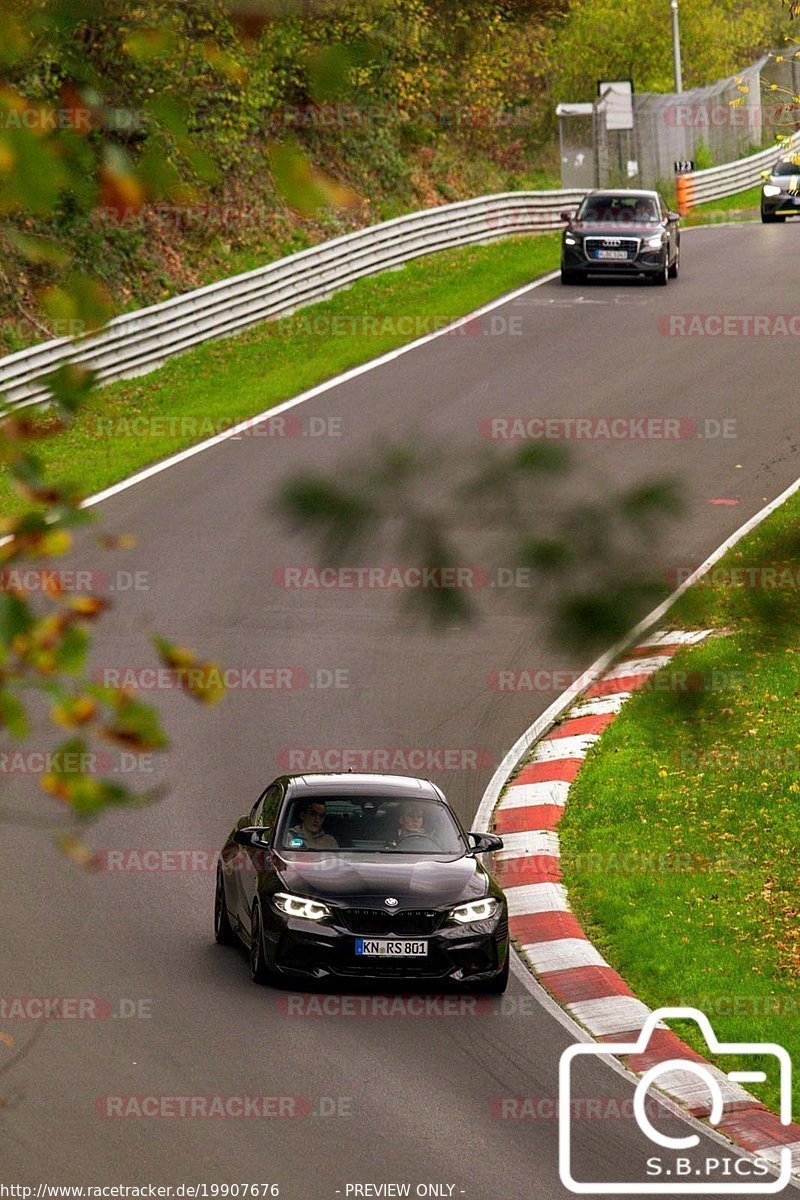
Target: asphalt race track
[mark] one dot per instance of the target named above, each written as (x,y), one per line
(417,1099)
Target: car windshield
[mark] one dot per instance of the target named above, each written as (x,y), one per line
(618,210)
(369,824)
(786,167)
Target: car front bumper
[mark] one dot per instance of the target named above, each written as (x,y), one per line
(646,262)
(461,954)
(783,205)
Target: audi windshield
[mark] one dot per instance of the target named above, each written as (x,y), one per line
(601,210)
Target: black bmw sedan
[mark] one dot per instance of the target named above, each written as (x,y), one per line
(361,877)
(621,233)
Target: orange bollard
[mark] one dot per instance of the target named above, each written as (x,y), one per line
(684,193)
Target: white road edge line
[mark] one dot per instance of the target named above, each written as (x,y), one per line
(317,390)
(320,388)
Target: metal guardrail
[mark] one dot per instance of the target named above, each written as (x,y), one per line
(138,342)
(714,183)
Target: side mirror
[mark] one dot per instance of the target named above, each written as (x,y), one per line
(673,216)
(566,216)
(252,835)
(485,842)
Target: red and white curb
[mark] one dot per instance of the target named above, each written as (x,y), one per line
(549,937)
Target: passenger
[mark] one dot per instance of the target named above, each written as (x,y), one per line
(410,822)
(310,820)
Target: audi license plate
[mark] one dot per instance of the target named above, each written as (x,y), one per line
(391,948)
(616,254)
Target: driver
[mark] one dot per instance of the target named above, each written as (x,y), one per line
(310,820)
(644,211)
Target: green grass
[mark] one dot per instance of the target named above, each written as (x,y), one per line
(680,840)
(226,381)
(743,206)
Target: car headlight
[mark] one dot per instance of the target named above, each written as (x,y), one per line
(475,910)
(569,240)
(654,242)
(771,190)
(301,906)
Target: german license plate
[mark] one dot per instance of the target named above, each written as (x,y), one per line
(391,948)
(616,254)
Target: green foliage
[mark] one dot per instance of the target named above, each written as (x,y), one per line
(243,127)
(602,39)
(703,157)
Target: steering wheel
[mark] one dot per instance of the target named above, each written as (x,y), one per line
(428,842)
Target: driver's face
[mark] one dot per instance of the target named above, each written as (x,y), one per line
(411,818)
(314,818)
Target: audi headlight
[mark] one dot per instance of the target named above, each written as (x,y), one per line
(475,910)
(654,242)
(301,906)
(569,240)
(771,190)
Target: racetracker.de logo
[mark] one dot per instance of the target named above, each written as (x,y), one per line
(71,1008)
(232,679)
(729,325)
(381,577)
(396,760)
(604,429)
(207,1107)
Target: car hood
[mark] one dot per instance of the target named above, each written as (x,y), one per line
(615,230)
(365,880)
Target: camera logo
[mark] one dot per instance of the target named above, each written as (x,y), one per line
(712,1079)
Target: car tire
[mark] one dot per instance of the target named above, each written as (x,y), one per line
(662,278)
(223,930)
(497,985)
(771,218)
(673,271)
(259,971)
(568,277)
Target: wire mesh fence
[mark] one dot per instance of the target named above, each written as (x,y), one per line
(729,119)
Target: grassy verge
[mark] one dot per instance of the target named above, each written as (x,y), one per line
(129,425)
(680,838)
(743,206)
